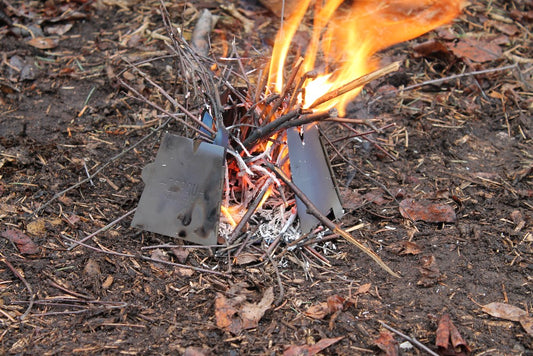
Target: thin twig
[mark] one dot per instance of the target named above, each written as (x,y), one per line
(250,211)
(367,78)
(74,245)
(281,295)
(410,339)
(311,208)
(26,284)
(113,159)
(114,253)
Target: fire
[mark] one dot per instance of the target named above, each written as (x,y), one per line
(345,37)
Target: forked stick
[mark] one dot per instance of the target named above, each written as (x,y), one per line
(312,209)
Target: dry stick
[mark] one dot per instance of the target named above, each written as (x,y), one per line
(171,115)
(440,80)
(114,158)
(311,208)
(286,89)
(410,339)
(367,176)
(374,143)
(250,211)
(128,255)
(268,129)
(279,299)
(74,245)
(356,83)
(26,284)
(176,104)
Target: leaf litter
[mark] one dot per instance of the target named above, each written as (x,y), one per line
(144,310)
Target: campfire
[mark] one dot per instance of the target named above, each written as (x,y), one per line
(253,164)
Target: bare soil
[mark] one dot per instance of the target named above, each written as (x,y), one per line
(465,142)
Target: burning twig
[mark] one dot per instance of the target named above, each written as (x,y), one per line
(365,79)
(324,220)
(250,211)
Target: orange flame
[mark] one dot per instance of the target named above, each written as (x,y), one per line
(346,37)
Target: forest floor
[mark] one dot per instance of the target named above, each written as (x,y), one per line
(463,144)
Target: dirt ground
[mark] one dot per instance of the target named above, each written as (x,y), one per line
(464,143)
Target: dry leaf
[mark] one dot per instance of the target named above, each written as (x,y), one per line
(252,313)
(387,343)
(527,324)
(427,211)
(92,268)
(477,51)
(224,312)
(310,350)
(504,311)
(43,42)
(36,227)
(108,282)
(180,253)
(363,288)
(405,248)
(25,245)
(431,47)
(320,311)
(235,314)
(59,30)
(245,258)
(449,341)
(430,273)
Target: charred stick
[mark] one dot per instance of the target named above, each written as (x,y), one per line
(250,211)
(307,119)
(270,128)
(367,78)
(309,75)
(312,209)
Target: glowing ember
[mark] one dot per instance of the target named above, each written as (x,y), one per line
(345,37)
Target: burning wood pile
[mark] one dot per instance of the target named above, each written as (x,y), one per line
(251,164)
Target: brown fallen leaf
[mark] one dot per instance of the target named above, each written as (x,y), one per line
(405,247)
(427,211)
(476,50)
(364,288)
(321,310)
(504,311)
(245,258)
(25,244)
(430,273)
(527,324)
(180,253)
(387,343)
(449,341)
(235,314)
(36,227)
(431,48)
(43,42)
(309,350)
